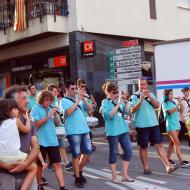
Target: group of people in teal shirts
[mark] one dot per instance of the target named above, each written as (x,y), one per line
(114,109)
(141,106)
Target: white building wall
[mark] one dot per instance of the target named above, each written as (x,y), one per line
(132,18)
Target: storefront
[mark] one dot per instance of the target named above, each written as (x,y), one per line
(41,69)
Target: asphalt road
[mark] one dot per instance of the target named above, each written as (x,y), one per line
(98,172)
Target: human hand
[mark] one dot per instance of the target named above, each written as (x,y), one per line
(19,167)
(79,98)
(53,112)
(44,166)
(146,93)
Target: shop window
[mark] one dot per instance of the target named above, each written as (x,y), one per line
(183,4)
(152,5)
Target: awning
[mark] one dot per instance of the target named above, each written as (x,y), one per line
(20,15)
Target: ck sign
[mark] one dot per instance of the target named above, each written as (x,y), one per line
(88,49)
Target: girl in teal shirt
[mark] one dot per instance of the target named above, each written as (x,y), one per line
(117,131)
(171,115)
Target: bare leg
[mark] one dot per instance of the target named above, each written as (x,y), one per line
(76,166)
(175,139)
(162,153)
(63,155)
(31,173)
(83,160)
(113,169)
(125,166)
(59,173)
(39,174)
(170,149)
(144,157)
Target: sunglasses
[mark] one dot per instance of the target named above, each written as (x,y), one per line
(73,88)
(83,86)
(114,92)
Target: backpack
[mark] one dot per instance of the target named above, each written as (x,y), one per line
(162,120)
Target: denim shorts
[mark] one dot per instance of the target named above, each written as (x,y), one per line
(61,141)
(148,134)
(125,143)
(80,144)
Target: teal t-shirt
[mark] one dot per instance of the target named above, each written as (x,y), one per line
(172,120)
(46,133)
(145,116)
(32,102)
(76,122)
(115,125)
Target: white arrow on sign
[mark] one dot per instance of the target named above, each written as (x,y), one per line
(127,69)
(127,62)
(127,50)
(127,75)
(126,81)
(127,56)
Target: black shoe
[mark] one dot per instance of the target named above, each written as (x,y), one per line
(147,172)
(40,187)
(93,148)
(78,182)
(172,163)
(84,180)
(184,164)
(63,188)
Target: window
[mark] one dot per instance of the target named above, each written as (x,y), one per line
(152,5)
(183,4)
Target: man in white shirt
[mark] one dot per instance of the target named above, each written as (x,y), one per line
(184,114)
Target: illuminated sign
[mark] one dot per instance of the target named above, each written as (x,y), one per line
(130,43)
(60,61)
(88,49)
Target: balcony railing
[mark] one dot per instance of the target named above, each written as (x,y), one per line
(34,9)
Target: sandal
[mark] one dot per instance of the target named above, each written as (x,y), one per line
(172,169)
(127,180)
(147,172)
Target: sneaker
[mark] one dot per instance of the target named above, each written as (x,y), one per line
(172,163)
(44,181)
(40,187)
(93,148)
(68,166)
(84,180)
(78,182)
(147,172)
(50,168)
(184,164)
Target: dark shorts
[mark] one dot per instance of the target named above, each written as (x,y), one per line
(52,152)
(148,134)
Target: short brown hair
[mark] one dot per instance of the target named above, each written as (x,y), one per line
(51,87)
(109,86)
(44,94)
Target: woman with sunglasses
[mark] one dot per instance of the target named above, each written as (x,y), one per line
(113,110)
(171,112)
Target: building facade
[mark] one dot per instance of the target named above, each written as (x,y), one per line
(66,39)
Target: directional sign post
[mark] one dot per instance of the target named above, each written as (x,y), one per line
(125,65)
